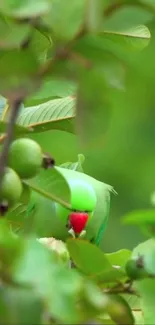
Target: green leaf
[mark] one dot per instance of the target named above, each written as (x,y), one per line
(51,184)
(150,3)
(25,8)
(132,39)
(22,306)
(56,285)
(127,17)
(13,35)
(77,166)
(99,268)
(66,18)
(40,44)
(50,89)
(119,258)
(146,289)
(55,114)
(140,217)
(98,49)
(17,70)
(138,31)
(89,258)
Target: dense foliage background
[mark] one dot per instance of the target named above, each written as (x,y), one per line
(83,73)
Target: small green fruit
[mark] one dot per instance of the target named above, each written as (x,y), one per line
(11,189)
(25,157)
(134,270)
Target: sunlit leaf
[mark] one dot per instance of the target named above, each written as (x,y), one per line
(25,8)
(55,114)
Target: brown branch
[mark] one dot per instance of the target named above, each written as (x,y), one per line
(125,288)
(14,109)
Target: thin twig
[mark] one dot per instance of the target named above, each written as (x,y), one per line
(14,109)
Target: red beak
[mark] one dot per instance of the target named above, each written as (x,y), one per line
(78,221)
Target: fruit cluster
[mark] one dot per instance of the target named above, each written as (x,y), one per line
(25,160)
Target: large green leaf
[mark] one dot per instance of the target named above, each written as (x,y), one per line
(24,8)
(12,35)
(88,258)
(17,71)
(93,262)
(51,184)
(40,44)
(55,114)
(52,88)
(66,18)
(132,39)
(127,17)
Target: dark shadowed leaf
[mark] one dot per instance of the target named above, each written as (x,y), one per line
(17,70)
(13,35)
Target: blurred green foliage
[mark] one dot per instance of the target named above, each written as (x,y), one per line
(85,72)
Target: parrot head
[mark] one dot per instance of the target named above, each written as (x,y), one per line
(83,203)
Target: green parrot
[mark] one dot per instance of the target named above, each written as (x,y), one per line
(88,216)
